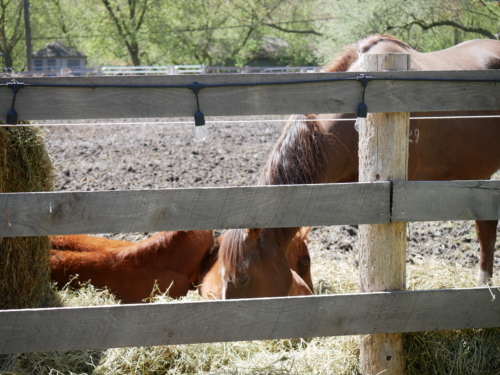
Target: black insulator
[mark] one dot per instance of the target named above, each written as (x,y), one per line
(12,117)
(199,118)
(12,114)
(362,110)
(196,87)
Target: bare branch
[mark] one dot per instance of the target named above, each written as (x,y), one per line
(291,30)
(142,12)
(114,17)
(426,26)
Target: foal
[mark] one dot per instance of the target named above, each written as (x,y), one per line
(130,270)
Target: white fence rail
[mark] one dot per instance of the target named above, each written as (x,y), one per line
(135,70)
(163,70)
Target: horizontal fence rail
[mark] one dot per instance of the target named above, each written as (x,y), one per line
(101,327)
(251,95)
(446,200)
(31,214)
(50,213)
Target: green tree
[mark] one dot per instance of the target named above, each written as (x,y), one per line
(229,32)
(128,19)
(427,25)
(107,36)
(11,30)
(152,32)
(439,24)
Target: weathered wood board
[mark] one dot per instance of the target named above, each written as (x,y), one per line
(47,103)
(50,213)
(35,330)
(446,200)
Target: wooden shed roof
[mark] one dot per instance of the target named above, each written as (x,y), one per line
(57,49)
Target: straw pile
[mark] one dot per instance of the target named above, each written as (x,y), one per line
(25,166)
(448,352)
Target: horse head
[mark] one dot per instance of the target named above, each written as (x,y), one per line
(253,264)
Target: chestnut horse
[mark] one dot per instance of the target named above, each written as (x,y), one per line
(128,269)
(210,282)
(314,150)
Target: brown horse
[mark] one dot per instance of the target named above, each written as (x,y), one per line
(314,150)
(130,270)
(299,261)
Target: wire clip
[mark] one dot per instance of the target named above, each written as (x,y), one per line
(12,114)
(362,108)
(199,117)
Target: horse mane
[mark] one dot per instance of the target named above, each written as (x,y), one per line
(299,157)
(350,53)
(231,252)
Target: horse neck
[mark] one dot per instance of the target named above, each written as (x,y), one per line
(342,152)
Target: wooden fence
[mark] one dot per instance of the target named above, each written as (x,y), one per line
(28,214)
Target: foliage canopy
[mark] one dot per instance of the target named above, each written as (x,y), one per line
(237,32)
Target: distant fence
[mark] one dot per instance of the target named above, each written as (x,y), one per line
(163,70)
(29,214)
(152,70)
(202,69)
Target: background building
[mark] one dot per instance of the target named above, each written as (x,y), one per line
(56,59)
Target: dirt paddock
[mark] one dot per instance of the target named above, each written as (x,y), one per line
(93,157)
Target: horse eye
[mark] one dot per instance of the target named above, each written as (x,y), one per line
(306,261)
(241,278)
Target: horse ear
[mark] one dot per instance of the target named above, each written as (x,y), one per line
(305,232)
(251,234)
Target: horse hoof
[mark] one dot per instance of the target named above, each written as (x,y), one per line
(483,278)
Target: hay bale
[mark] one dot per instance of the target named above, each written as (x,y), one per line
(25,166)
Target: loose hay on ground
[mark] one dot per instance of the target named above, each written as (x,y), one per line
(25,166)
(457,352)
(460,352)
(62,362)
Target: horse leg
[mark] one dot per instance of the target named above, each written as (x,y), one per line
(486,233)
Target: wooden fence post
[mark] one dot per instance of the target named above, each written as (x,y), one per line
(383,156)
